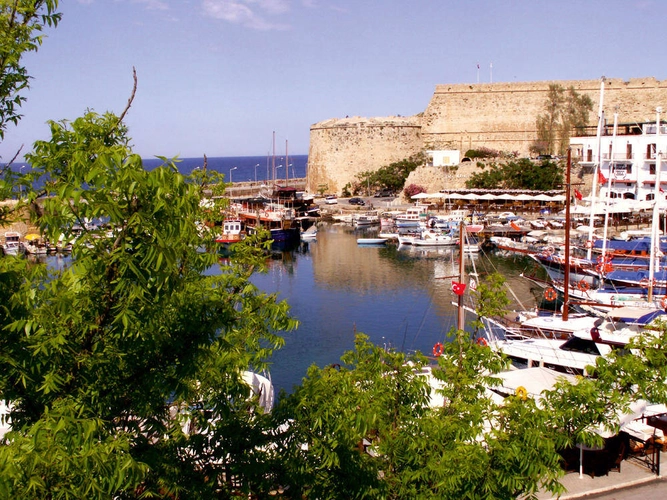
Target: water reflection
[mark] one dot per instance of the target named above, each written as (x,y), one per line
(400,297)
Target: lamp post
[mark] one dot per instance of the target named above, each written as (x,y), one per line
(230,173)
(21,185)
(288,166)
(256,172)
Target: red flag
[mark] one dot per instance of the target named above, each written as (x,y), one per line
(578,195)
(601,178)
(458,288)
(661,190)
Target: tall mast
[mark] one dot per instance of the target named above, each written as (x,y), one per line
(655,237)
(461,317)
(596,172)
(612,164)
(273,161)
(566,287)
(286,164)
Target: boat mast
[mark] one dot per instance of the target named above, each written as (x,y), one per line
(596,172)
(655,237)
(273,161)
(566,288)
(286,164)
(611,166)
(461,317)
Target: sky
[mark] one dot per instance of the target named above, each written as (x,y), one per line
(218,77)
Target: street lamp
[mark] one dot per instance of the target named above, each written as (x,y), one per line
(279,166)
(230,173)
(256,172)
(288,166)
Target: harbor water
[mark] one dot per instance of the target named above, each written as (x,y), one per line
(400,296)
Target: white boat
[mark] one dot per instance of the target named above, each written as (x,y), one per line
(571,356)
(367,219)
(12,244)
(309,234)
(371,241)
(413,217)
(232,232)
(434,238)
(35,245)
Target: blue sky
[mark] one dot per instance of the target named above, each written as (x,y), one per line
(217,77)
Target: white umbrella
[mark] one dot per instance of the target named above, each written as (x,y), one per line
(421,196)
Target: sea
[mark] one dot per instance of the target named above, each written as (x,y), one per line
(243,168)
(235,168)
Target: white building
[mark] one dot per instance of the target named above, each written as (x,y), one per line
(444,158)
(627,158)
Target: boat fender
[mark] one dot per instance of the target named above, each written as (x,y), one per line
(482,341)
(521,393)
(589,243)
(550,294)
(438,349)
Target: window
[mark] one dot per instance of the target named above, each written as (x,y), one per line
(650,151)
(628,151)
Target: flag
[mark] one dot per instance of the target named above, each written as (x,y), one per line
(601,178)
(578,195)
(661,190)
(515,226)
(458,288)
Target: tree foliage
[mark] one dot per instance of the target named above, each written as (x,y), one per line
(107,361)
(21,26)
(564,113)
(518,174)
(390,176)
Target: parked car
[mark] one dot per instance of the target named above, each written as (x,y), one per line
(384,193)
(356,201)
(331,199)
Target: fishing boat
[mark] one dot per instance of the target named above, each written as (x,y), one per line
(12,244)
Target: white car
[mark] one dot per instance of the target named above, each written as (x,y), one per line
(331,200)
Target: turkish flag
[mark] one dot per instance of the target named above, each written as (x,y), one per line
(458,288)
(578,195)
(601,178)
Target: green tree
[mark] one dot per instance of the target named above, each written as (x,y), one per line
(21,26)
(107,362)
(518,174)
(21,31)
(564,112)
(467,446)
(390,176)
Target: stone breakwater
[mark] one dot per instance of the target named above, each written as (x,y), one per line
(500,116)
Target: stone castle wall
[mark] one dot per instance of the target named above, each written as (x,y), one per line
(501,116)
(342,148)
